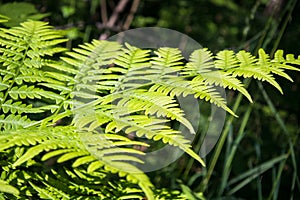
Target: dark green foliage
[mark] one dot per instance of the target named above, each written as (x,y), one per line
(18,12)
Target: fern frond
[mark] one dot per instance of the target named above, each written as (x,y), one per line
(141,125)
(49,192)
(209,94)
(249,66)
(290,59)
(226,60)
(81,185)
(167,64)
(5,187)
(128,66)
(196,88)
(24,66)
(18,107)
(264,62)
(29,75)
(63,142)
(152,103)
(279,64)
(224,80)
(32,92)
(92,61)
(200,61)
(131,64)
(14,121)
(256,73)
(202,66)
(168,57)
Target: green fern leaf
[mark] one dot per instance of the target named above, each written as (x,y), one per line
(200,61)
(251,67)
(226,59)
(256,73)
(168,57)
(36,150)
(196,88)
(265,63)
(30,76)
(14,122)
(92,70)
(47,193)
(32,92)
(224,80)
(152,103)
(132,63)
(279,64)
(5,187)
(18,107)
(55,153)
(23,66)
(50,139)
(94,166)
(263,59)
(83,160)
(71,155)
(290,58)
(3,85)
(167,64)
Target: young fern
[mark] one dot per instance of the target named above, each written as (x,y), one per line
(109,91)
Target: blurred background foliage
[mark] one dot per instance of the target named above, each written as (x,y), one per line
(259,156)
